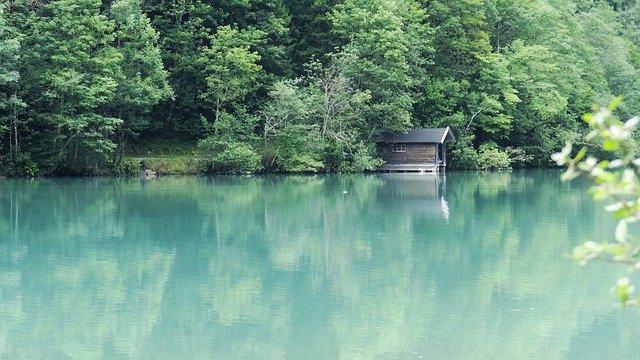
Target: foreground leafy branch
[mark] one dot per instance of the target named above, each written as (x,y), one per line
(614,181)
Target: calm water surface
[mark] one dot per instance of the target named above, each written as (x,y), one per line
(467,266)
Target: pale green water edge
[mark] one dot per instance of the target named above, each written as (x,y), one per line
(467,266)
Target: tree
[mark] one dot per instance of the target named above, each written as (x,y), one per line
(9,77)
(317,122)
(341,111)
(186,28)
(615,54)
(71,75)
(467,85)
(310,32)
(231,72)
(271,18)
(288,104)
(550,63)
(534,76)
(291,141)
(183,29)
(377,58)
(98,74)
(142,82)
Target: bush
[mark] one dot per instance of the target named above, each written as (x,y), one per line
(127,167)
(463,154)
(304,163)
(294,149)
(20,166)
(490,157)
(229,157)
(360,159)
(519,157)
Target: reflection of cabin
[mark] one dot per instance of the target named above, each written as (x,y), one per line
(419,150)
(420,195)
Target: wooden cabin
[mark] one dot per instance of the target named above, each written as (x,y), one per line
(419,150)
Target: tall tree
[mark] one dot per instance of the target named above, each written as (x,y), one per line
(9,76)
(185,28)
(231,71)
(71,70)
(534,75)
(377,57)
(310,32)
(615,54)
(270,17)
(466,85)
(142,83)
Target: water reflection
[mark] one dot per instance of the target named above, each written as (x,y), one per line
(328,267)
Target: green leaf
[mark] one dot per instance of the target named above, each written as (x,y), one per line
(580,155)
(622,213)
(615,103)
(610,145)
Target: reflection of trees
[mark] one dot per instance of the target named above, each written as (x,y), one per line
(296,267)
(536,304)
(82,292)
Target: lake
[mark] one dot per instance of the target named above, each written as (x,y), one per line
(462,266)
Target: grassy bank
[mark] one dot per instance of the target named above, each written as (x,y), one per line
(170,157)
(171,165)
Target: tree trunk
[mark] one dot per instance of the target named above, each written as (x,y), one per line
(14,141)
(215,121)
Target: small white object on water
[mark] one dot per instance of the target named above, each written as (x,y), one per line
(344,191)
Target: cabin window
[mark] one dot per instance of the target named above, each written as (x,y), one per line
(399,148)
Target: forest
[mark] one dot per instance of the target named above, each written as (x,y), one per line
(303,86)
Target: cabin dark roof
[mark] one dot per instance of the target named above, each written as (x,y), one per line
(419,136)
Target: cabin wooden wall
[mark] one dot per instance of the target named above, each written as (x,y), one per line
(416,154)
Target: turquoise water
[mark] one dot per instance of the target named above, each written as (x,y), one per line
(467,266)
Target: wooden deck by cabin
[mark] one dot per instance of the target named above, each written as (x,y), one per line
(409,168)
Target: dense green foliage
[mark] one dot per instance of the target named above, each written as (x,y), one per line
(305,86)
